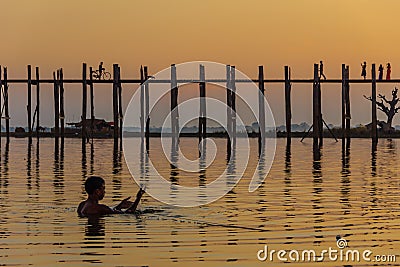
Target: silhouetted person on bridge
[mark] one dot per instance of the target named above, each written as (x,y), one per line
(388,71)
(321,70)
(364,70)
(380,69)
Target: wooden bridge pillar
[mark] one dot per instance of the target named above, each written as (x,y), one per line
(37,103)
(147,107)
(261,110)
(62,113)
(56,105)
(174,109)
(115,102)
(84,102)
(29,106)
(203,112)
(374,130)
(316,105)
(288,105)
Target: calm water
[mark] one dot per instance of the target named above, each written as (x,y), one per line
(303,204)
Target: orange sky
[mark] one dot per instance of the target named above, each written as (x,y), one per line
(53,34)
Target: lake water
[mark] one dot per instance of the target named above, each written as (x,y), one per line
(303,204)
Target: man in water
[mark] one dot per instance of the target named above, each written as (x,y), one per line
(95,188)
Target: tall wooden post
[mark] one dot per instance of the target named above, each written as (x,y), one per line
(228,110)
(261,110)
(62,113)
(147,106)
(203,116)
(37,103)
(315,105)
(174,109)
(142,117)
(348,112)
(288,107)
(344,97)
(6,113)
(233,102)
(84,102)
(91,88)
(120,112)
(321,127)
(374,130)
(56,107)
(115,102)
(29,106)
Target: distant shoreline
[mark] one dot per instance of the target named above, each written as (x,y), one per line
(326,134)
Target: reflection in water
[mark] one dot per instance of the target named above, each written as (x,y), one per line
(231,168)
(317,195)
(373,159)
(37,166)
(84,162)
(95,227)
(117,169)
(94,240)
(91,158)
(29,167)
(58,171)
(173,165)
(278,214)
(5,175)
(202,168)
(345,177)
(289,208)
(117,160)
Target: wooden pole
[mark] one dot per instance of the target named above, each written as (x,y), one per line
(174,109)
(315,105)
(348,112)
(233,101)
(6,113)
(120,112)
(84,102)
(261,111)
(147,106)
(288,107)
(29,106)
(56,107)
(37,103)
(202,117)
(344,98)
(374,130)
(91,88)
(228,109)
(62,113)
(320,120)
(142,117)
(115,102)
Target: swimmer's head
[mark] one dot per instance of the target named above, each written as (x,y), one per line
(95,185)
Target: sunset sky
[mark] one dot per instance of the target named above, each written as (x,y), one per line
(53,34)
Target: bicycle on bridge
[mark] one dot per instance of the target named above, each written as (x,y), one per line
(101,73)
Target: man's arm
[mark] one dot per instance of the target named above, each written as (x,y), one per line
(136,203)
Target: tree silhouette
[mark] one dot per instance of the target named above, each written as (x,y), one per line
(388,107)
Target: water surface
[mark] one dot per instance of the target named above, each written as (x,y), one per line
(305,202)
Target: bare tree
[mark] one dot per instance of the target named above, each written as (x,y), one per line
(388,107)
